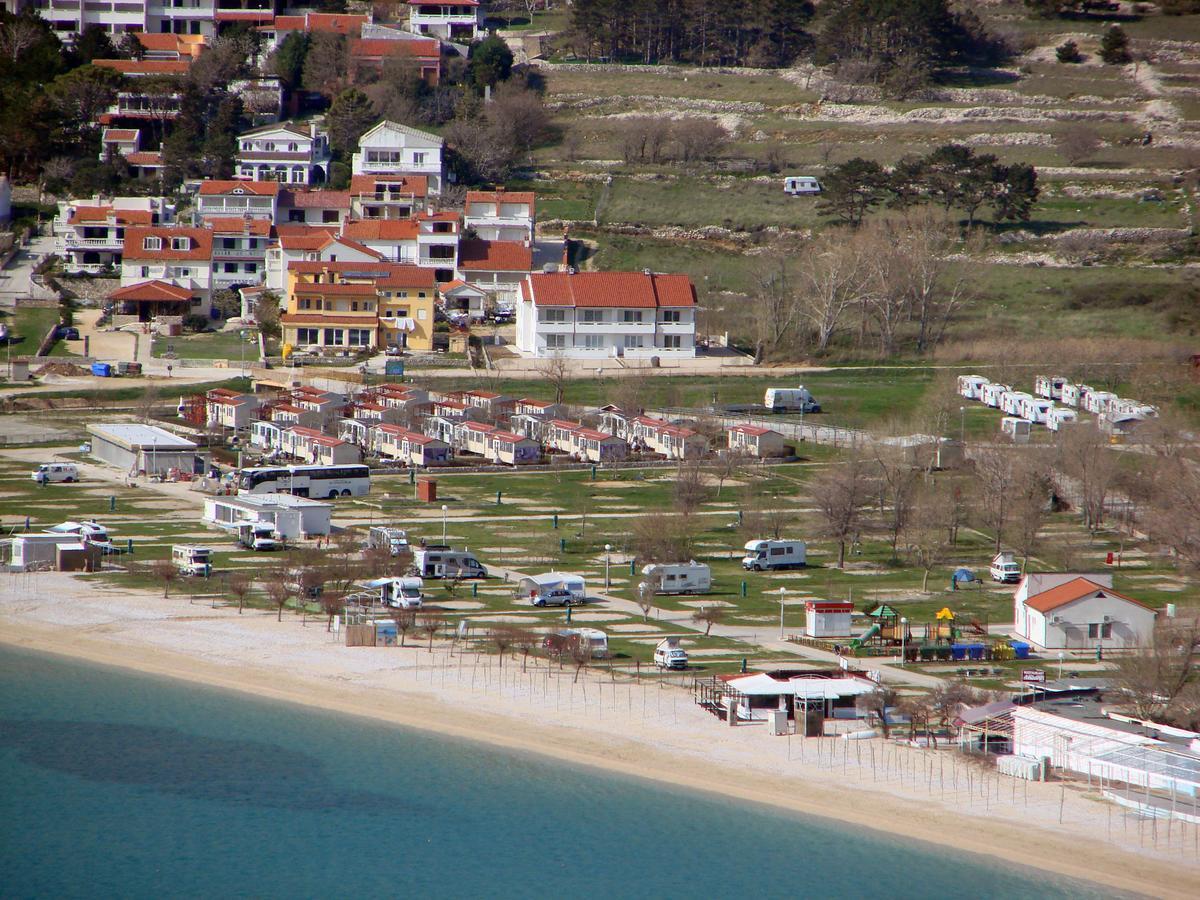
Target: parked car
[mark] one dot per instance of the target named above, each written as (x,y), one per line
(556,597)
(49,473)
(669,655)
(1005,569)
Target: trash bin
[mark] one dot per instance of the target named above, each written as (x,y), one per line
(777,721)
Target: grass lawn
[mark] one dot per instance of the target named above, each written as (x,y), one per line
(210,345)
(735,203)
(28,325)
(676,83)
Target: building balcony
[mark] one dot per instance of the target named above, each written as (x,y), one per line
(241,253)
(70,242)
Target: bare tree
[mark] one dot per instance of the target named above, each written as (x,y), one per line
(690,490)
(698,140)
(555,369)
(663,538)
(1078,142)
(240,585)
(947,700)
(429,624)
(833,281)
(1092,467)
(774,313)
(709,616)
(580,652)
(503,637)
(935,284)
(17,35)
(1033,487)
(839,494)
(645,595)
(728,465)
(995,475)
(877,703)
(1159,679)
(279,592)
(896,481)
(926,532)
(406,621)
(165,572)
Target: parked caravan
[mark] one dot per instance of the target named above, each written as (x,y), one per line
(89,531)
(394,539)
(763,555)
(1016,429)
(669,655)
(781,400)
(537,587)
(52,473)
(1049,386)
(192,560)
(1012,402)
(1072,393)
(1132,408)
(596,640)
(992,393)
(801,185)
(970,387)
(442,562)
(1035,409)
(1004,568)
(1060,418)
(1097,402)
(563,642)
(399,593)
(678,578)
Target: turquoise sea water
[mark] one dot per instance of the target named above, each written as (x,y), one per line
(120,785)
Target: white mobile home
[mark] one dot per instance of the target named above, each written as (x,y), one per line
(762,555)
(1036,410)
(992,393)
(1049,386)
(1060,418)
(1013,402)
(37,551)
(801,185)
(1072,393)
(289,517)
(1097,402)
(678,578)
(756,441)
(971,387)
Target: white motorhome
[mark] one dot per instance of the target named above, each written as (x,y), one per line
(399,593)
(801,185)
(763,555)
(798,399)
(258,536)
(442,562)
(1049,386)
(678,578)
(1072,393)
(970,387)
(1036,410)
(1016,429)
(993,393)
(1004,568)
(669,655)
(192,560)
(394,539)
(50,473)
(1061,418)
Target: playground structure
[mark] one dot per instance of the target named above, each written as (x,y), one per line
(945,638)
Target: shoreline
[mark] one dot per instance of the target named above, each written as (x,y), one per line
(1099,864)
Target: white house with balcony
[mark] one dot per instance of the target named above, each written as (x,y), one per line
(500,215)
(170,255)
(429,240)
(90,233)
(594,315)
(388,196)
(286,153)
(459,21)
(394,149)
(239,255)
(222,199)
(71,17)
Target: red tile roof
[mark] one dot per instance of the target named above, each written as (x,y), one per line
(500,197)
(201,240)
(341,289)
(137,67)
(82,214)
(417,185)
(152,291)
(144,158)
(120,134)
(755,430)
(509,437)
(326,319)
(382,230)
(380,47)
(610,289)
(337,23)
(1073,590)
(495,256)
(301,199)
(375,270)
(259,188)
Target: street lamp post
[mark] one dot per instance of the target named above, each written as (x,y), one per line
(607,580)
(962,424)
(782,594)
(1060,662)
(903,640)
(242,342)
(445,509)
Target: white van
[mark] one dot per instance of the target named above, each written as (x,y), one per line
(669,655)
(50,473)
(192,560)
(762,555)
(678,578)
(399,593)
(1004,568)
(801,185)
(797,399)
(442,562)
(394,539)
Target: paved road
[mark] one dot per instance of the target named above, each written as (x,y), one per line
(15,278)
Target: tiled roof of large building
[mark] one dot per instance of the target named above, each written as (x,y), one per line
(611,289)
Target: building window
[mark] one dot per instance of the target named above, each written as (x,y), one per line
(553,316)
(631,315)
(307,335)
(633,341)
(672,342)
(359,337)
(672,315)
(556,341)
(592,316)
(151,243)
(418,159)
(1100,630)
(593,342)
(329,216)
(335,337)
(230,267)
(181,243)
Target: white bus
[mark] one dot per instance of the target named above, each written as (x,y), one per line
(306,481)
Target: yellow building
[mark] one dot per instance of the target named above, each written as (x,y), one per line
(354,306)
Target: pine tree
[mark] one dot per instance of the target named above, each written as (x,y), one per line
(350,114)
(1114,46)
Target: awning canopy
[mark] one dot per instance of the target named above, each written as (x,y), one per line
(763,685)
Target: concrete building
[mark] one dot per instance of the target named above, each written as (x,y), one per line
(459,21)
(1069,611)
(222,199)
(285,152)
(142,448)
(394,149)
(501,215)
(291,517)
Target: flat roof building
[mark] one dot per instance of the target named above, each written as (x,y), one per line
(142,448)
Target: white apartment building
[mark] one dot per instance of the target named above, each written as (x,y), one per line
(70,17)
(500,215)
(285,152)
(593,315)
(295,244)
(394,149)
(388,196)
(429,240)
(459,21)
(221,199)
(239,254)
(90,233)
(170,255)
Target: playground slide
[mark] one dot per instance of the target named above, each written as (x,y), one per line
(865,636)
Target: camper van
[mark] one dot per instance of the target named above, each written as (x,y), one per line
(1097,402)
(597,640)
(1016,429)
(678,578)
(1060,418)
(564,641)
(258,536)
(442,562)
(992,394)
(1049,386)
(191,560)
(762,555)
(1005,569)
(970,387)
(780,400)
(1013,402)
(399,593)
(394,539)
(801,185)
(50,473)
(669,655)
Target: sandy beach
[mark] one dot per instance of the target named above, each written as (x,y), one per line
(651,732)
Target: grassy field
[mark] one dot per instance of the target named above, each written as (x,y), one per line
(210,345)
